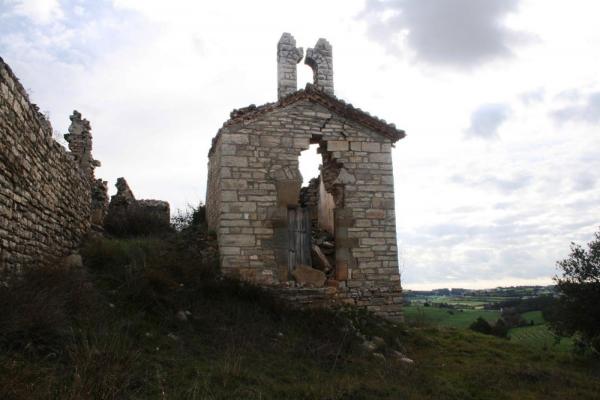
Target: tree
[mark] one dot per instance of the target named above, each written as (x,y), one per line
(482,326)
(578,307)
(500,329)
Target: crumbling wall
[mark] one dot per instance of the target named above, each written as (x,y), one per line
(129,216)
(214,190)
(320,59)
(45,195)
(253,165)
(99,202)
(309,198)
(326,207)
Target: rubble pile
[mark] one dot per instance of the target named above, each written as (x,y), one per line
(323,251)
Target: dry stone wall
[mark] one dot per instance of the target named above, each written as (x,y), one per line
(45,196)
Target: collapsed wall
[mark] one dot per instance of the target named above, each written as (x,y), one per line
(45,190)
(127,215)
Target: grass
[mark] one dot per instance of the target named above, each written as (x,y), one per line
(111,331)
(534,317)
(540,338)
(461,319)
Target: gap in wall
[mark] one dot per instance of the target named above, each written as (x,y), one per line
(309,164)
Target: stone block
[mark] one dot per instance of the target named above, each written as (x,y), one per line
(308,276)
(267,140)
(344,177)
(383,158)
(337,145)
(237,240)
(288,193)
(234,161)
(235,138)
(341,270)
(229,195)
(234,183)
(382,203)
(375,213)
(371,147)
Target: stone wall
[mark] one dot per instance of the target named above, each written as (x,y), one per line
(45,195)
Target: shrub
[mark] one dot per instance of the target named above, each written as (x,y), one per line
(500,329)
(135,222)
(482,326)
(191,217)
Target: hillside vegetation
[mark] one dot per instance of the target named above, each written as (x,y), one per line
(150,318)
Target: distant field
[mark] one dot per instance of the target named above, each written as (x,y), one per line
(539,336)
(536,336)
(444,317)
(467,301)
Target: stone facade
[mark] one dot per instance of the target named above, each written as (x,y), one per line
(45,190)
(254,186)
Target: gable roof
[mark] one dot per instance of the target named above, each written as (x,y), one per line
(313,94)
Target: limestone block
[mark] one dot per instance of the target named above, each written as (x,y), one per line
(234,161)
(372,147)
(235,138)
(384,158)
(375,213)
(229,195)
(344,177)
(288,193)
(234,183)
(337,145)
(238,240)
(308,276)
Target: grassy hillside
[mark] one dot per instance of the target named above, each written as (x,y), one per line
(151,319)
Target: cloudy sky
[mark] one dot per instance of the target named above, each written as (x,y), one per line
(500,100)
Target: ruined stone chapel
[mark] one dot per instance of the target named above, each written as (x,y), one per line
(331,242)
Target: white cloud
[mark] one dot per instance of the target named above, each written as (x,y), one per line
(39,11)
(487,119)
(461,33)
(587,110)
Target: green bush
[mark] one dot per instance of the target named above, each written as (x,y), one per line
(482,326)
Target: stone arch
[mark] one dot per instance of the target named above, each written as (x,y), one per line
(320,60)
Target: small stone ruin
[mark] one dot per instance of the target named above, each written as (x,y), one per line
(126,214)
(332,242)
